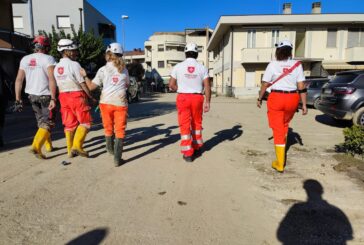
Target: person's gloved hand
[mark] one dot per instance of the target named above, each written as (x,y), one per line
(18,106)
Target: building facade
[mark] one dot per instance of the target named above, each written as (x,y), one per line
(244,45)
(164,50)
(38,15)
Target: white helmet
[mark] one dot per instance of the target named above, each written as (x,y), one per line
(191,47)
(115,48)
(66,44)
(284,43)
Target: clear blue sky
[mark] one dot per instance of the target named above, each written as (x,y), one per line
(147,17)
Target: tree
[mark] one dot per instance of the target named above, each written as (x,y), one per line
(136,70)
(91,50)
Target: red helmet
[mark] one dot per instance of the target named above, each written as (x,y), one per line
(41,41)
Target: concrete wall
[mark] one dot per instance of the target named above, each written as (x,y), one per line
(45,14)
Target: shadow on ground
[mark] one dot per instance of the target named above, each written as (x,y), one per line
(330,121)
(94,237)
(142,134)
(292,139)
(223,135)
(315,221)
(20,128)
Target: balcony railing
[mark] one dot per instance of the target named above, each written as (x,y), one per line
(257,55)
(355,54)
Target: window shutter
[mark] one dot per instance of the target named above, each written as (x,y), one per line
(353,37)
(331,38)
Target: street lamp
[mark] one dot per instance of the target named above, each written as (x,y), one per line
(123,17)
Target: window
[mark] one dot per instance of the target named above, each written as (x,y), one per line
(160,47)
(355,37)
(331,38)
(63,22)
(275,37)
(160,64)
(251,39)
(199,49)
(18,22)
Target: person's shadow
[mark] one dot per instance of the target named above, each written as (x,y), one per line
(314,221)
(226,134)
(93,237)
(293,138)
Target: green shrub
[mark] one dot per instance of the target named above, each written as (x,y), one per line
(354,141)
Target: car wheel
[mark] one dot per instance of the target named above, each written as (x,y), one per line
(316,102)
(358,118)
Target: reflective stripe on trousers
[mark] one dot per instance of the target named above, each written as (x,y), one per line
(189,108)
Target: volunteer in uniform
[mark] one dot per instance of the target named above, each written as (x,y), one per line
(73,97)
(37,69)
(286,79)
(191,81)
(114,79)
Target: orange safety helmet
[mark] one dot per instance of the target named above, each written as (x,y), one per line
(41,42)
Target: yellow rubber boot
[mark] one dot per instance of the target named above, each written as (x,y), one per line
(48,144)
(278,164)
(69,142)
(78,140)
(39,139)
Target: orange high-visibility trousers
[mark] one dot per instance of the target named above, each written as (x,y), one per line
(114,119)
(281,109)
(190,109)
(75,110)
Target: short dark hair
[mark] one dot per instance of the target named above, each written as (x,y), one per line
(191,54)
(283,53)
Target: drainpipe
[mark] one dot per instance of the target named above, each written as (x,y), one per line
(31,18)
(222,66)
(231,58)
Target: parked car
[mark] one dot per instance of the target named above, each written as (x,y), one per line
(343,97)
(133,92)
(314,86)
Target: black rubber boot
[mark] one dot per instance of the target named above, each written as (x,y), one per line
(118,151)
(110,144)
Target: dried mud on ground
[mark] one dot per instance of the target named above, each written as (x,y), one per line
(229,195)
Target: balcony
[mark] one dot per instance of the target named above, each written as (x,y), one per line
(355,54)
(173,55)
(257,55)
(148,58)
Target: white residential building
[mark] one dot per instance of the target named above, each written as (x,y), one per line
(38,15)
(244,45)
(164,50)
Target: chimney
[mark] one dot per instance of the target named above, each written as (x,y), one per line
(287,8)
(316,8)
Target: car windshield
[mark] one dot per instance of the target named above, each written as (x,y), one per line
(343,78)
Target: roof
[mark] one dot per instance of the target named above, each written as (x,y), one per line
(133,53)
(169,33)
(225,22)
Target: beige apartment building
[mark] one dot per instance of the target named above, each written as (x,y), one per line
(164,50)
(242,46)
